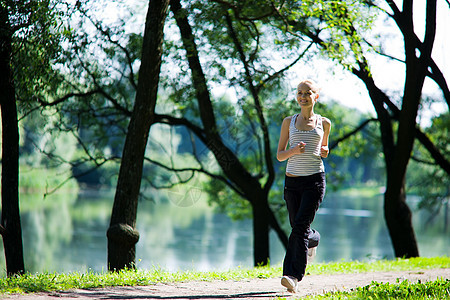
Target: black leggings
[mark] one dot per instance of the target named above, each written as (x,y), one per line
(303,196)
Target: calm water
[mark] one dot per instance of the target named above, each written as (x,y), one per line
(66,232)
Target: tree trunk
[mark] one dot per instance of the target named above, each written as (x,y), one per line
(396,212)
(261,244)
(398,215)
(398,220)
(10,224)
(122,235)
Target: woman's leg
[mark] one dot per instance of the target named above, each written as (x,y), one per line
(313,238)
(306,195)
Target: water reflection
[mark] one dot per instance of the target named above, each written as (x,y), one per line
(192,237)
(66,232)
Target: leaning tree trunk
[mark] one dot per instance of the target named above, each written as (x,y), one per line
(229,163)
(10,223)
(122,235)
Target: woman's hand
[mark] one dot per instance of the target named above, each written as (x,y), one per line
(299,149)
(324,151)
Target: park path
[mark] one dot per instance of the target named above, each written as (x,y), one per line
(245,289)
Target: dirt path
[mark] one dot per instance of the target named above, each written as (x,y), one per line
(247,289)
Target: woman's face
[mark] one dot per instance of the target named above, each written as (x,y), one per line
(305,95)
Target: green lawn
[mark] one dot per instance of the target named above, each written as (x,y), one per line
(436,290)
(30,283)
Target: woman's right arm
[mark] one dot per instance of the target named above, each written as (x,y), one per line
(282,153)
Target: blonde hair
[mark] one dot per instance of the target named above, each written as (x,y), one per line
(312,85)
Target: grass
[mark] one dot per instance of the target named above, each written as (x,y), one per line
(419,263)
(438,290)
(30,283)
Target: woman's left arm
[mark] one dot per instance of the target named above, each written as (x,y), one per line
(326,123)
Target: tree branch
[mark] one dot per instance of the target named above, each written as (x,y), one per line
(66,97)
(424,140)
(171,120)
(100,89)
(259,110)
(349,134)
(194,170)
(281,71)
(116,43)
(434,152)
(435,73)
(237,11)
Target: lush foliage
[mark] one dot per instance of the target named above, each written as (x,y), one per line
(50,282)
(98,68)
(37,43)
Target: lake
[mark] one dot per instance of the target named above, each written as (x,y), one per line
(66,232)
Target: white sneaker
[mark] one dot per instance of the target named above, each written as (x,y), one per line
(290,283)
(311,254)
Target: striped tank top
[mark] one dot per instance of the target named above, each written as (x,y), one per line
(310,162)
